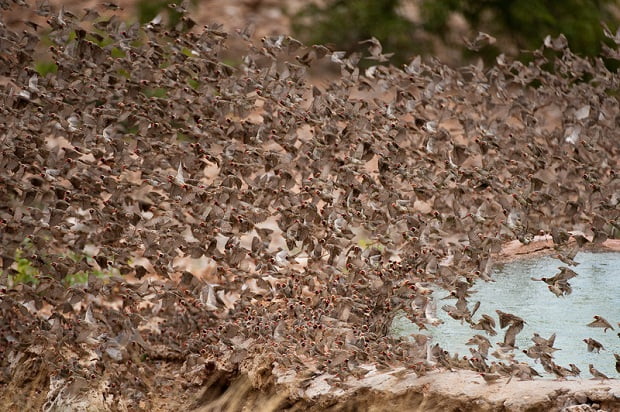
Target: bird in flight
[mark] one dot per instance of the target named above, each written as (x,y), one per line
(600,322)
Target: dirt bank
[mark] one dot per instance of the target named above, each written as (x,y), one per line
(543,245)
(465,391)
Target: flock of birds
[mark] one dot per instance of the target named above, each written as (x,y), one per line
(321,210)
(541,351)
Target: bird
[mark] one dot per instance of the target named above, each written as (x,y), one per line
(600,322)
(503,354)
(593,345)
(555,290)
(559,236)
(506,319)
(568,256)
(596,373)
(485,323)
(564,275)
(574,369)
(308,219)
(533,352)
(515,325)
(482,39)
(617,362)
(510,337)
(456,312)
(375,49)
(482,343)
(564,287)
(490,378)
(539,340)
(523,371)
(559,371)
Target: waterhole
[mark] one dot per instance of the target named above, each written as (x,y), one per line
(595,291)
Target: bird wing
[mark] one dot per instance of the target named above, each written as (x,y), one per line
(551,340)
(511,335)
(489,320)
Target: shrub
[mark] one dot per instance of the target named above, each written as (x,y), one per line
(527,22)
(25,271)
(148,10)
(519,24)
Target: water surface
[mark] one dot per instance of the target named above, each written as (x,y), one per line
(596,291)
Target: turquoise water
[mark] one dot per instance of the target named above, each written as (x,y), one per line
(596,291)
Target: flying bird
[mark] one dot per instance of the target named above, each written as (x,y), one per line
(485,323)
(593,345)
(600,322)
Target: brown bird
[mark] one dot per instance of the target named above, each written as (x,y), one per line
(515,325)
(510,337)
(597,374)
(562,287)
(574,369)
(555,289)
(593,345)
(482,343)
(581,240)
(559,236)
(533,352)
(490,377)
(523,371)
(617,362)
(600,322)
(560,372)
(485,323)
(539,340)
(506,319)
(503,354)
(564,275)
(568,256)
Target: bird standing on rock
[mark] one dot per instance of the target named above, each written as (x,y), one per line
(560,372)
(539,340)
(490,377)
(597,374)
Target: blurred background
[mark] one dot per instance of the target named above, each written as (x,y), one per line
(404,27)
